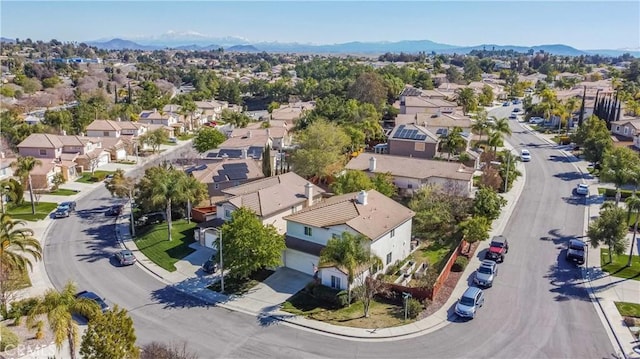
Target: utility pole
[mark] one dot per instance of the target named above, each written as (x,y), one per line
(506,180)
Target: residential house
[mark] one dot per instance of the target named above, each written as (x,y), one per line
(211,110)
(126,131)
(292,112)
(221,174)
(386,224)
(271,199)
(250,143)
(169,121)
(104,128)
(627,129)
(411,174)
(277,132)
(415,104)
(413,141)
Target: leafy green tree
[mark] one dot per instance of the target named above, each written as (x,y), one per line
(120,185)
(237,119)
(383,183)
(434,216)
(472,70)
(207,139)
(453,142)
(595,139)
(453,75)
(475,229)
(110,336)
(321,152)
(486,96)
(267,168)
(61,120)
(31,85)
(609,229)
(60,307)
(508,168)
(369,88)
(488,203)
(154,139)
(467,99)
(620,166)
(22,169)
(351,181)
(248,245)
(348,252)
(12,190)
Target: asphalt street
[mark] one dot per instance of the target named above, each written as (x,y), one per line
(537,308)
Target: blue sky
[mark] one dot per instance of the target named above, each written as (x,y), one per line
(581,24)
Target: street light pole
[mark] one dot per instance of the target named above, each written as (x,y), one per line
(219,234)
(506,180)
(133,226)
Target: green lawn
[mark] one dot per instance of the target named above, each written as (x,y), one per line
(186,136)
(23,211)
(381,315)
(63,192)
(97,176)
(434,253)
(154,243)
(240,286)
(628,309)
(619,266)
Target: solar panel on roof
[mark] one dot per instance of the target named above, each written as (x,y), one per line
(219,178)
(421,137)
(398,131)
(234,176)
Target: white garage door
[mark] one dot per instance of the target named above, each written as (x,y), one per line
(121,154)
(103,160)
(299,261)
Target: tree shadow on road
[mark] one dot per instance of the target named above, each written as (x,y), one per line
(267,316)
(172,298)
(569,176)
(101,243)
(566,280)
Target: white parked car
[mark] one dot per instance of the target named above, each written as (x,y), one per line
(582,189)
(525,156)
(536,120)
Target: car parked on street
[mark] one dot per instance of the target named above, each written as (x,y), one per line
(506,103)
(498,248)
(536,120)
(525,155)
(69,205)
(96,298)
(513,116)
(125,257)
(61,213)
(210,266)
(582,189)
(485,274)
(576,251)
(115,210)
(468,304)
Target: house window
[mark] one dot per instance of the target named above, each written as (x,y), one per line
(420,147)
(626,130)
(335,282)
(389,258)
(393,233)
(105,133)
(307,231)
(227,213)
(43,152)
(617,128)
(409,185)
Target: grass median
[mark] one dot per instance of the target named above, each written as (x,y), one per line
(153,242)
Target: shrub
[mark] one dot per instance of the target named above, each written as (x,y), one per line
(414,308)
(8,339)
(429,279)
(328,295)
(342,298)
(460,264)
(564,140)
(21,308)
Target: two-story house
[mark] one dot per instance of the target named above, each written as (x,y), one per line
(169,121)
(210,111)
(221,174)
(411,174)
(277,132)
(126,131)
(385,222)
(411,140)
(628,129)
(415,104)
(250,143)
(271,199)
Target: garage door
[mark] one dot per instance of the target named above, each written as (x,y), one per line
(300,261)
(121,154)
(103,160)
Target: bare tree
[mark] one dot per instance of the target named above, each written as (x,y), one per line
(367,290)
(156,350)
(10,283)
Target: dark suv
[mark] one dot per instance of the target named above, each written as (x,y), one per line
(499,247)
(575,251)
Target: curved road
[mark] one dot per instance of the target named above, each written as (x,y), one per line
(538,307)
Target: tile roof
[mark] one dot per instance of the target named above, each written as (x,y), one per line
(272,194)
(104,125)
(380,215)
(41,140)
(210,173)
(412,167)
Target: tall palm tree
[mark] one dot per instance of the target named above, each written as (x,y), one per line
(17,244)
(633,203)
(494,140)
(60,307)
(7,190)
(348,252)
(467,99)
(481,124)
(453,141)
(193,191)
(22,169)
(502,125)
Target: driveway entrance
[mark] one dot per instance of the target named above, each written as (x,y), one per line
(275,290)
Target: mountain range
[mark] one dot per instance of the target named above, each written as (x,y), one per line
(231,44)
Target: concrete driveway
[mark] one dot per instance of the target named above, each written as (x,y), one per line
(270,294)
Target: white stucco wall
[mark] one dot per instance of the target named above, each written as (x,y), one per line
(399,245)
(278,222)
(318,235)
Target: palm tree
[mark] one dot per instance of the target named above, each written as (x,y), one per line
(494,140)
(193,191)
(481,124)
(502,125)
(7,190)
(620,165)
(60,307)
(633,203)
(453,141)
(22,169)
(17,244)
(347,252)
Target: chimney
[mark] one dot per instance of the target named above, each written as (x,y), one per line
(362,197)
(372,164)
(308,192)
(64,133)
(248,134)
(268,132)
(244,153)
